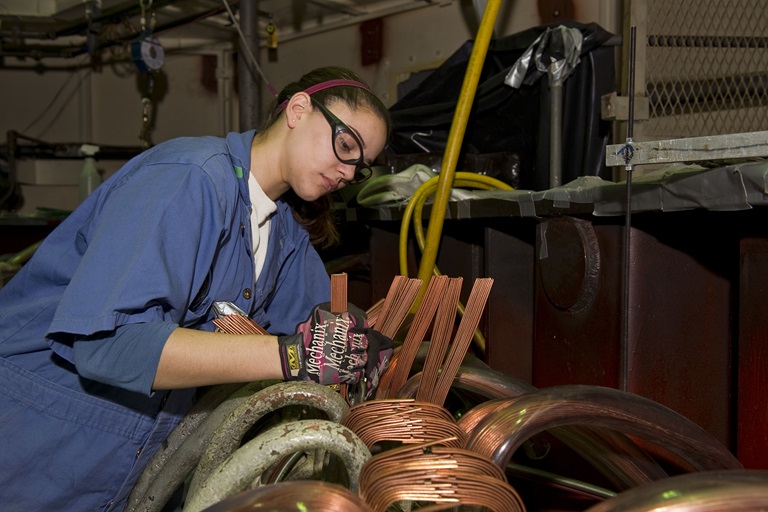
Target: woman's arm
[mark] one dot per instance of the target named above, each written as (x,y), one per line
(192,358)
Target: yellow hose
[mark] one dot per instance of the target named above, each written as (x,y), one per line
(414,211)
(420,196)
(453,145)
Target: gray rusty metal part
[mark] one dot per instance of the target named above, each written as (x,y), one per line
(254,457)
(180,453)
(229,435)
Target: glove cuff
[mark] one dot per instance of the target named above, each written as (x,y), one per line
(292,356)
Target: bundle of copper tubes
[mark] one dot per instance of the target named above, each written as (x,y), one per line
(458,476)
(422,458)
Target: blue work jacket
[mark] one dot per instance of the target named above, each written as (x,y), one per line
(157,243)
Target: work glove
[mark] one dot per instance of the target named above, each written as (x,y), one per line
(335,348)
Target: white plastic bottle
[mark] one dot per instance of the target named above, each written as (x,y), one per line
(89,176)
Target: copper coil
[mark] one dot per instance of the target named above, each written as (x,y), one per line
(470,419)
(303,495)
(504,430)
(377,408)
(707,491)
(438,474)
(404,421)
(612,453)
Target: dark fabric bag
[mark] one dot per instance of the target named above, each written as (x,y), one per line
(509,126)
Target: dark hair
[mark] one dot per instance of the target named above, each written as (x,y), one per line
(316,216)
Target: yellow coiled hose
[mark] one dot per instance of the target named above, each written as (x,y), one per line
(414,211)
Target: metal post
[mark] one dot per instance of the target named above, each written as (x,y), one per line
(555,133)
(624,377)
(248,83)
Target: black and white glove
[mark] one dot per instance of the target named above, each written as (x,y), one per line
(335,348)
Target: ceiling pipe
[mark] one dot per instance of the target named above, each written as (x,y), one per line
(42,51)
(108,17)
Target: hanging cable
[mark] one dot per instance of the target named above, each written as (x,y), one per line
(249,52)
(56,96)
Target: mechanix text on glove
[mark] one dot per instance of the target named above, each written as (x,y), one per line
(329,348)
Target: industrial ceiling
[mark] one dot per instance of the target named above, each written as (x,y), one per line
(39,29)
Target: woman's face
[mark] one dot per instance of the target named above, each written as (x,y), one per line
(317,167)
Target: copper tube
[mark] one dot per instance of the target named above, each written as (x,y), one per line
(441,331)
(294,496)
(397,304)
(401,363)
(374,312)
(338,293)
(339,305)
(505,430)
(386,379)
(615,455)
(484,381)
(708,491)
(458,349)
(239,324)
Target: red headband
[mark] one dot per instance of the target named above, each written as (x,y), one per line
(339,82)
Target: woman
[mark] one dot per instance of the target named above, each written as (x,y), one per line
(115,309)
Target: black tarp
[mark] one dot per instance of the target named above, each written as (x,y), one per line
(510,126)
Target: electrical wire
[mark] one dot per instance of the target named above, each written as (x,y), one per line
(248,50)
(420,197)
(56,96)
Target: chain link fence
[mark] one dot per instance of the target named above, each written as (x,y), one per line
(706,67)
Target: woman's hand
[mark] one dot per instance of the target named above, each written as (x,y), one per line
(336,348)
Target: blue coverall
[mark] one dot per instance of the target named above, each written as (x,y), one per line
(156,244)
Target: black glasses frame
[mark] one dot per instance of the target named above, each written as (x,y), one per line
(363,171)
